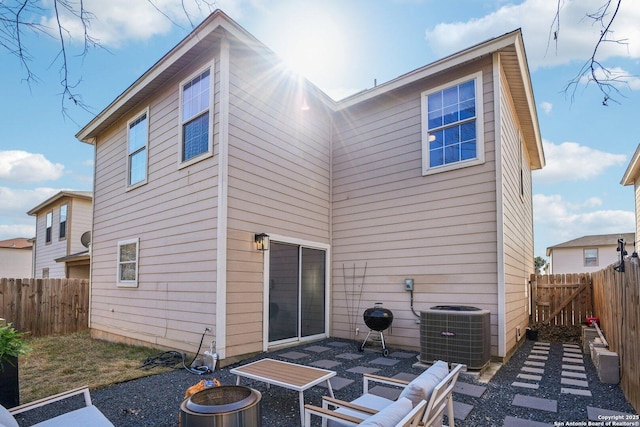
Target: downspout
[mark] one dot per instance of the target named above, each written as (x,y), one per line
(499,207)
(223,162)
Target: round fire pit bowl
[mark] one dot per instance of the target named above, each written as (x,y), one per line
(226,406)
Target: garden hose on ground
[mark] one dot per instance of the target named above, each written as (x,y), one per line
(172,358)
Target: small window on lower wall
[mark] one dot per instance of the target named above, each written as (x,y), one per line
(591,257)
(128,251)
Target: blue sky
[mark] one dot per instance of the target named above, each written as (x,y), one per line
(343,46)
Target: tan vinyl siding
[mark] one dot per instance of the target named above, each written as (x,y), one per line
(278,184)
(636,188)
(517,221)
(438,229)
(78,222)
(175,217)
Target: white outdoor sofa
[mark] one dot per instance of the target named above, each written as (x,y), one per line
(86,416)
(428,395)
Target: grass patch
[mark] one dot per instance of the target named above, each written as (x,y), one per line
(62,362)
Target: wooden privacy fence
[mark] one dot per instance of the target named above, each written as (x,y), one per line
(616,298)
(561,299)
(45,306)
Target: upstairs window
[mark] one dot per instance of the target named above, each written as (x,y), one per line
(590,257)
(138,136)
(47,237)
(63,221)
(196,116)
(128,263)
(452,126)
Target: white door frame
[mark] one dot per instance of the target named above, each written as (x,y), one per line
(265,285)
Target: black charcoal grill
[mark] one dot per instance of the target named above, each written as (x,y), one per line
(378,319)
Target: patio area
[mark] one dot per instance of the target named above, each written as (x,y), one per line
(542,384)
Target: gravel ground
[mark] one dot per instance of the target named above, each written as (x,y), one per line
(155,401)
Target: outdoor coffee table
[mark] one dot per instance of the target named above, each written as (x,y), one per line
(287,375)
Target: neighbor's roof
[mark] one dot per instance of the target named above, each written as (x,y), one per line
(510,46)
(633,170)
(87,195)
(17,243)
(594,240)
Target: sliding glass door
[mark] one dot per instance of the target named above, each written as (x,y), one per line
(297,292)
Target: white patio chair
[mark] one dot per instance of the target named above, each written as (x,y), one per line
(83,417)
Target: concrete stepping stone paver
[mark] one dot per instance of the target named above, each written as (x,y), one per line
(573,367)
(519,422)
(572,350)
(349,356)
(539,403)
(386,392)
(384,361)
(533,363)
(576,391)
(461,410)
(537,357)
(402,354)
(317,348)
(337,383)
(526,385)
(325,364)
(572,360)
(363,370)
(404,376)
(468,389)
(293,355)
(530,377)
(532,370)
(577,383)
(571,374)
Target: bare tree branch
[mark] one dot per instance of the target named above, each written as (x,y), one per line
(593,71)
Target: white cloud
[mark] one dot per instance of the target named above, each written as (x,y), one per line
(546,107)
(571,161)
(16,203)
(21,166)
(117,21)
(18,230)
(560,220)
(576,39)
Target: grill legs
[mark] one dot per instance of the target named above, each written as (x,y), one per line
(385,352)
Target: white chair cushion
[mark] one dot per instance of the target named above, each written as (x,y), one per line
(6,419)
(389,416)
(87,416)
(421,387)
(367,400)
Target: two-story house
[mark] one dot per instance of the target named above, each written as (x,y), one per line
(63,226)
(231,194)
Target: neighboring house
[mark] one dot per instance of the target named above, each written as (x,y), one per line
(60,250)
(632,177)
(427,177)
(587,254)
(15,258)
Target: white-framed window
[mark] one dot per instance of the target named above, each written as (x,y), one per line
(63,221)
(452,125)
(590,257)
(128,251)
(138,153)
(47,237)
(196,117)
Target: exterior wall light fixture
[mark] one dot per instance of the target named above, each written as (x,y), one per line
(262,241)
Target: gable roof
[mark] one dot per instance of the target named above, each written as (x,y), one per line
(218,25)
(594,240)
(17,243)
(86,195)
(633,170)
